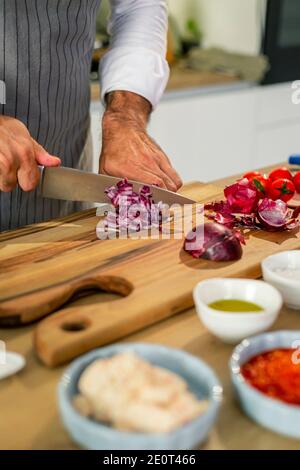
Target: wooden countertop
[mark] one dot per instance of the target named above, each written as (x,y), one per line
(29,413)
(181,79)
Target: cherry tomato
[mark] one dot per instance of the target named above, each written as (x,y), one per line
(297,181)
(283,189)
(251,174)
(262,184)
(279,173)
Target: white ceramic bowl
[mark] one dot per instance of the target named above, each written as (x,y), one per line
(234,327)
(289,288)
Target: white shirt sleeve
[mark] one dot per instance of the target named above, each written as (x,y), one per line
(136,59)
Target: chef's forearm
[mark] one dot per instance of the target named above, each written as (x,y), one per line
(127,150)
(127,106)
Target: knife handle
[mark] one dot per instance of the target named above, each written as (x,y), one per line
(294,160)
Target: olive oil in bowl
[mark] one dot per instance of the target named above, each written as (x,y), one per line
(233,309)
(235,306)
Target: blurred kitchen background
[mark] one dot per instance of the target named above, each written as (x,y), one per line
(228,105)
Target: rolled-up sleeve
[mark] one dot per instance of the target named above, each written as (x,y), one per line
(136,58)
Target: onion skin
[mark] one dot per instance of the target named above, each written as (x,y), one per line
(243,208)
(273,215)
(241,197)
(214,242)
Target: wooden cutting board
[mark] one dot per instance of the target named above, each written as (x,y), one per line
(43,266)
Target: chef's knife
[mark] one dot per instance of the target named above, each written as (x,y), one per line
(75,185)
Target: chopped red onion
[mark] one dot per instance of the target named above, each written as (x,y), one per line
(133,211)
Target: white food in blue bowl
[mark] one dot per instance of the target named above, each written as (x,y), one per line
(271,413)
(203,387)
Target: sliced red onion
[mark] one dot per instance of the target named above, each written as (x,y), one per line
(214,242)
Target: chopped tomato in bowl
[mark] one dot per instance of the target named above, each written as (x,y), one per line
(265,372)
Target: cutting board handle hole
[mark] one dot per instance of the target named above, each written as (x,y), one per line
(118,286)
(96,290)
(76,325)
(106,284)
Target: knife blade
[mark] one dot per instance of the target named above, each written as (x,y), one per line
(74,185)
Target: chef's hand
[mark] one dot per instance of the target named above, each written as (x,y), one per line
(20,156)
(127,149)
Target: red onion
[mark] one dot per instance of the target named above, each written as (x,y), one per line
(241,197)
(275,215)
(242,208)
(133,211)
(214,242)
(220,212)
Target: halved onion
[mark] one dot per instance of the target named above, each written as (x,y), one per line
(214,242)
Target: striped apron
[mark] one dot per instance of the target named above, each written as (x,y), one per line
(45,56)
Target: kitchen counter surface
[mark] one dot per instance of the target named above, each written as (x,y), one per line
(185,81)
(29,414)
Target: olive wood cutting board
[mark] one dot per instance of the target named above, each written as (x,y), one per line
(43,266)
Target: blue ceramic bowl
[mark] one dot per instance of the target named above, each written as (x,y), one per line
(93,435)
(270,413)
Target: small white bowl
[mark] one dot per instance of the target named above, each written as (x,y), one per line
(12,363)
(289,288)
(234,327)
